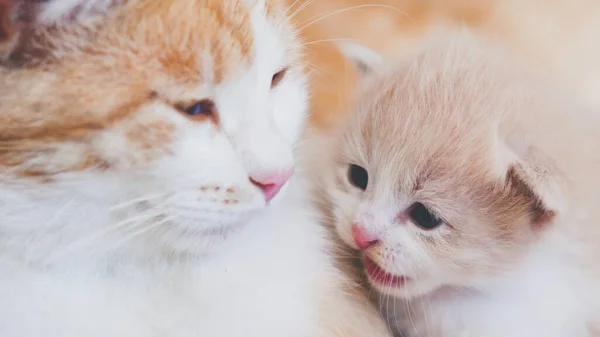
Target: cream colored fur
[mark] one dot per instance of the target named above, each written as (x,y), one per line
(510,165)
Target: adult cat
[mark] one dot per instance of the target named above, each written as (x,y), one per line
(140,144)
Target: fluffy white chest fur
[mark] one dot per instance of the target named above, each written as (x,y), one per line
(259,286)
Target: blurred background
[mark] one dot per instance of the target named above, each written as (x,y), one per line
(558,38)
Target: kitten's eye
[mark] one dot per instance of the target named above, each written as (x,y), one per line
(424,217)
(278,77)
(358,176)
(202,109)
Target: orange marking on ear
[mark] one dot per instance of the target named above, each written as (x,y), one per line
(521,193)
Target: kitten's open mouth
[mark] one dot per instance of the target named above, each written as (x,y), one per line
(381,277)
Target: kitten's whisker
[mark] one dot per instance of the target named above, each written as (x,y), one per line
(426,313)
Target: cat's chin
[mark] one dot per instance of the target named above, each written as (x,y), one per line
(186,240)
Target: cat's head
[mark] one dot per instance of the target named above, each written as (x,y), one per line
(428,179)
(186,109)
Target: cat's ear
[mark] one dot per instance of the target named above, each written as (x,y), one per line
(5,26)
(366,61)
(33,21)
(532,181)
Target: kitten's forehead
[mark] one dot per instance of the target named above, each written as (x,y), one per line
(436,114)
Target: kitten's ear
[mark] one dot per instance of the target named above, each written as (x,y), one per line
(532,181)
(366,60)
(32,22)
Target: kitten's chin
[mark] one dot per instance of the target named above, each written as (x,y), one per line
(407,291)
(390,284)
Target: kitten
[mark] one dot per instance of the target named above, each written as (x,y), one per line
(144,148)
(471,191)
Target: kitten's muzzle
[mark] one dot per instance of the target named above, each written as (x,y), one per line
(363,238)
(381,277)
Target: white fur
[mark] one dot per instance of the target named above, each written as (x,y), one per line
(542,297)
(147,252)
(54,11)
(256,286)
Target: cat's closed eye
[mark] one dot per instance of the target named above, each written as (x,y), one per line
(424,218)
(277,77)
(358,176)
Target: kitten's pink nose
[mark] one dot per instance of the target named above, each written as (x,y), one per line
(364,240)
(271,182)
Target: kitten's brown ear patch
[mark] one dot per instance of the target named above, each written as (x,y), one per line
(540,214)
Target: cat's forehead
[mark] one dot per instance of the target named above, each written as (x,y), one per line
(210,40)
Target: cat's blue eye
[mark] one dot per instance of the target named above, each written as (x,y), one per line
(204,107)
(424,217)
(358,176)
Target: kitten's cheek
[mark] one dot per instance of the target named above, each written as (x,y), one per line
(344,231)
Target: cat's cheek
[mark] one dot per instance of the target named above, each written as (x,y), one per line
(289,108)
(200,158)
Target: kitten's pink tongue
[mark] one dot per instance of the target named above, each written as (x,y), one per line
(380,276)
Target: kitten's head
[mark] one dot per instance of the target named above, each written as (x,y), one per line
(186,109)
(429,177)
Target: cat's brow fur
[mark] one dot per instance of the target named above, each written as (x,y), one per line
(508,164)
(146,41)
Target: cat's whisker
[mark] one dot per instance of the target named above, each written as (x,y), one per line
(145,227)
(328,40)
(86,240)
(299,9)
(318,18)
(318,72)
(135,201)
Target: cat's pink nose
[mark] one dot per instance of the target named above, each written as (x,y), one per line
(271,182)
(364,240)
